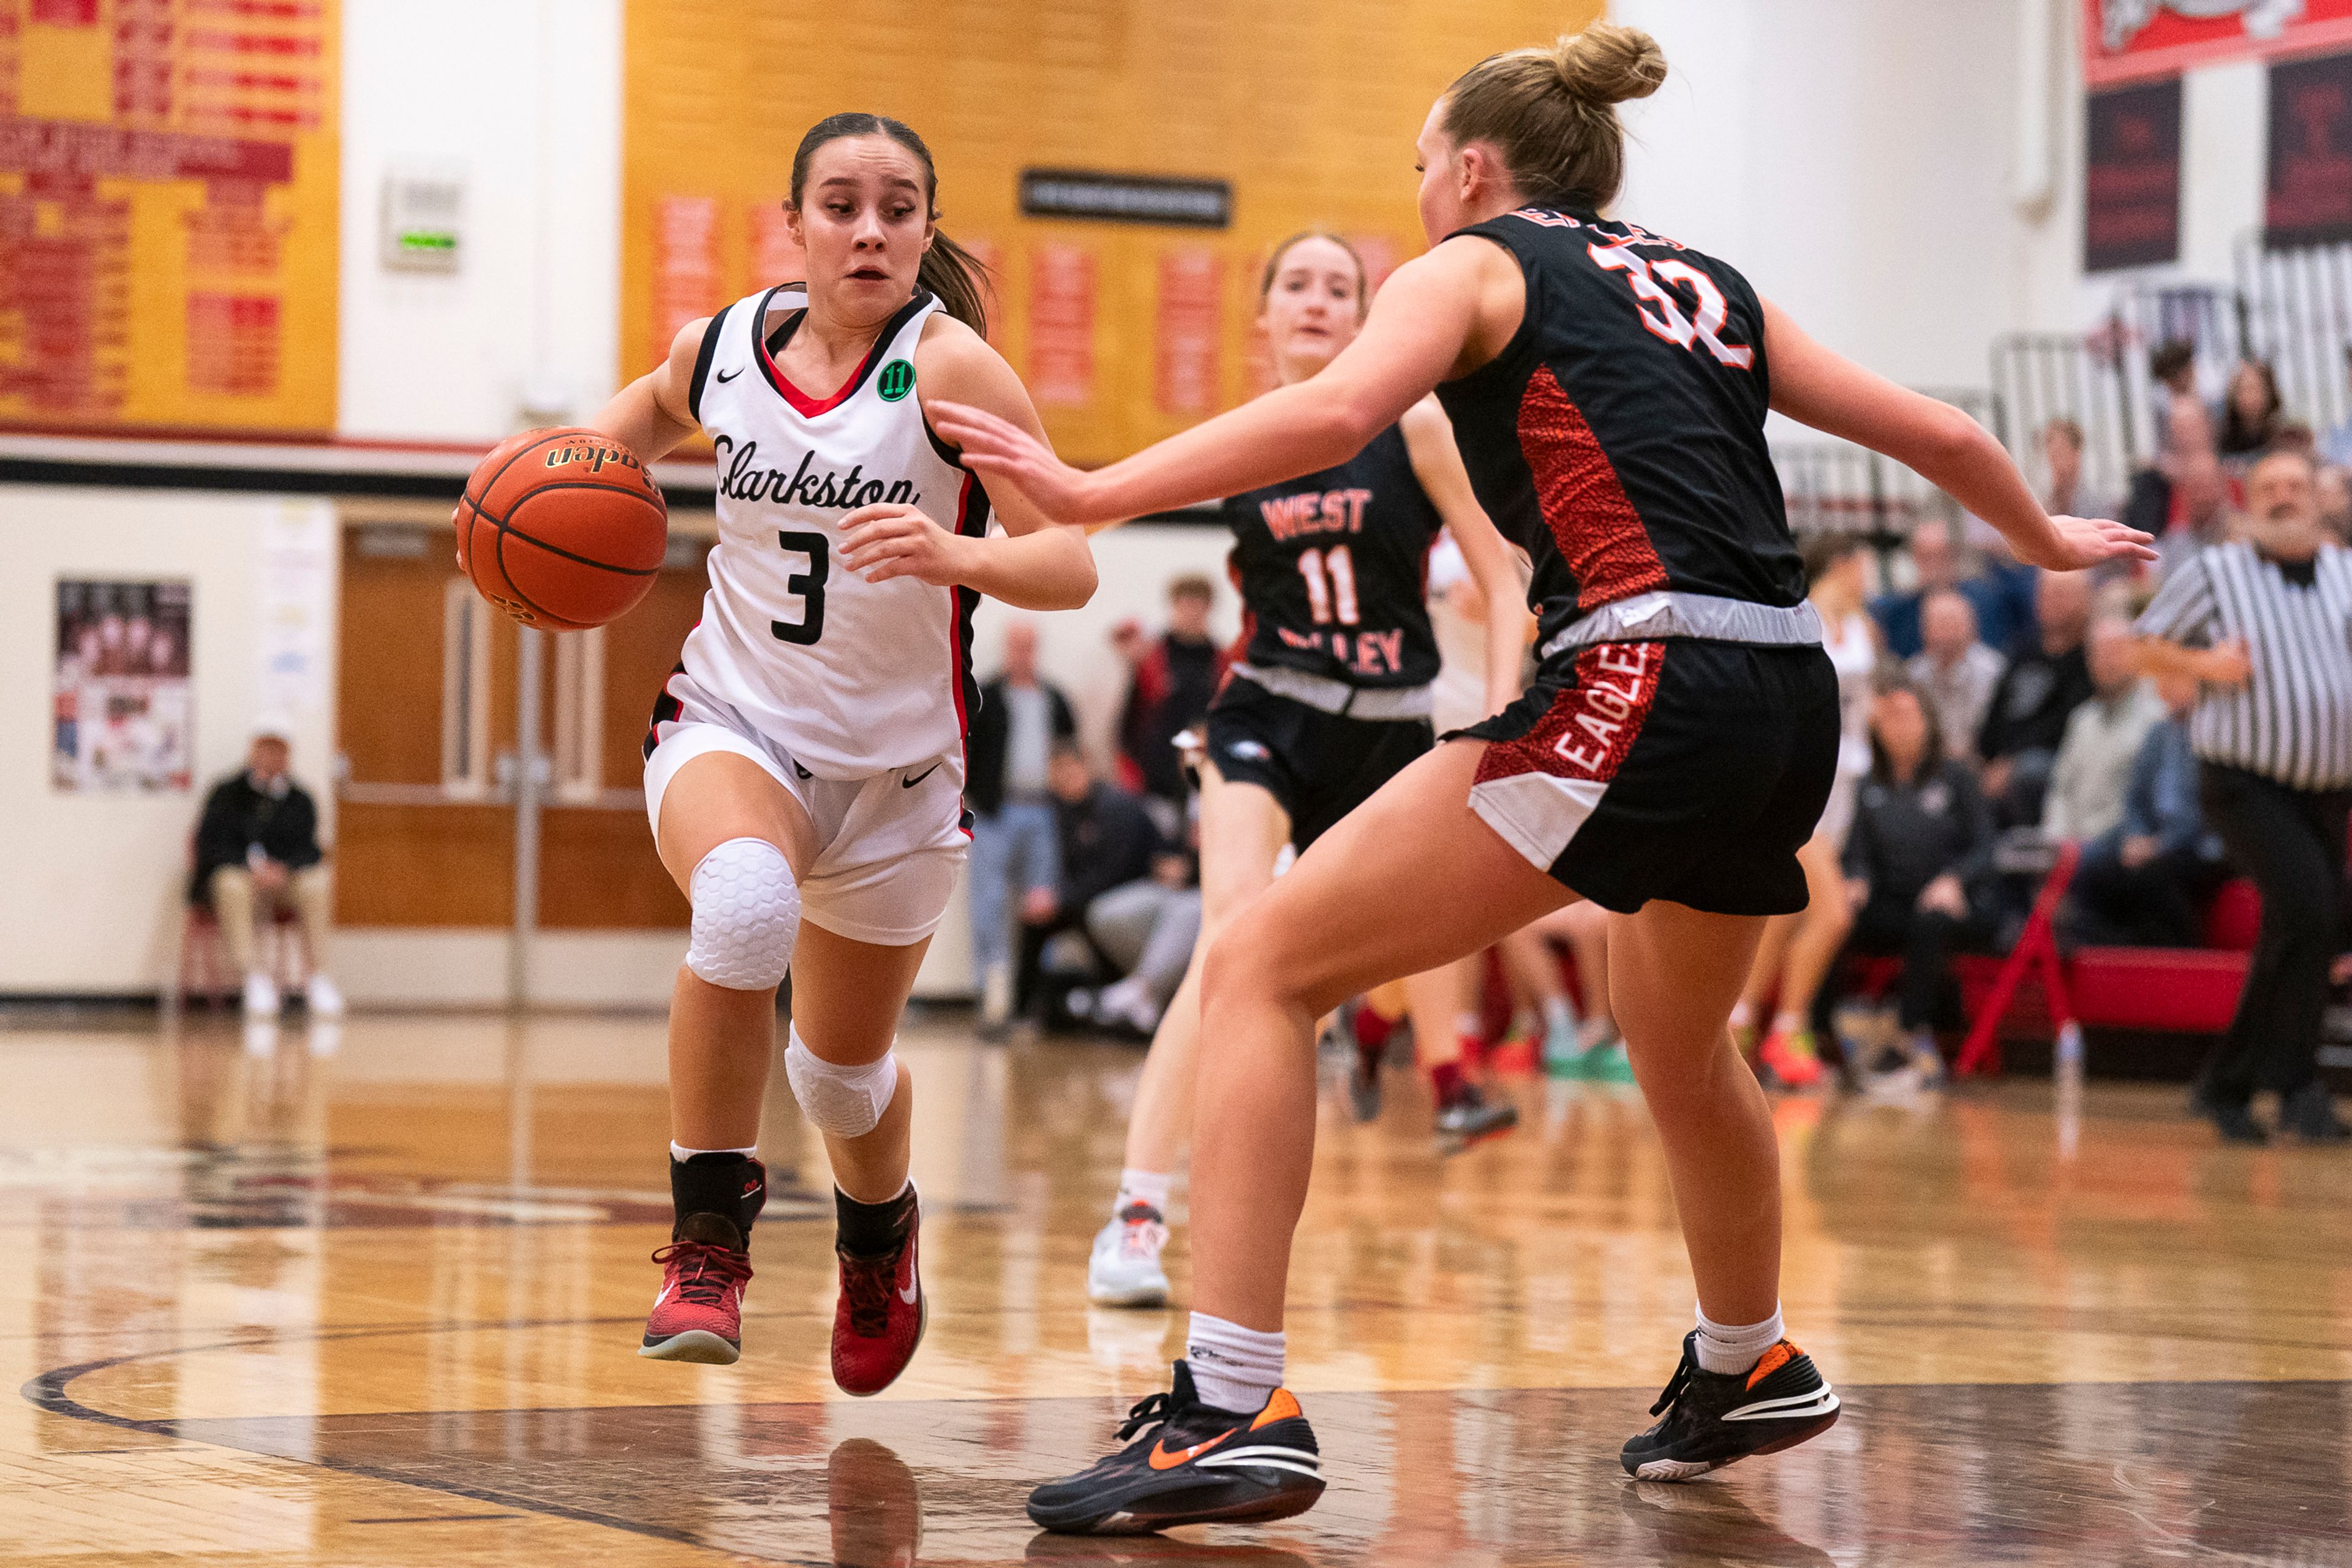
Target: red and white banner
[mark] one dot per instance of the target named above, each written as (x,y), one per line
(1190,330)
(1062,326)
(2128,40)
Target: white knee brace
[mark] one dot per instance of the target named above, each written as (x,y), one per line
(844,1101)
(747,916)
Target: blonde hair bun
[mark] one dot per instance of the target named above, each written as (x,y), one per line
(1609,63)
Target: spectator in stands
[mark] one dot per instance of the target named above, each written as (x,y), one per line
(2334,500)
(1941,565)
(1146,928)
(1955,672)
(1174,679)
(1920,849)
(2335,447)
(2251,417)
(2047,679)
(2062,453)
(1108,843)
(2200,491)
(2094,769)
(2139,880)
(1014,848)
(257,852)
(2264,623)
(2183,424)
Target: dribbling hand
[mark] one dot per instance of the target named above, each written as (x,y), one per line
(887,540)
(1000,450)
(2084,542)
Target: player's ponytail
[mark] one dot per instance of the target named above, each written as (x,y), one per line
(1553,112)
(959,279)
(948,269)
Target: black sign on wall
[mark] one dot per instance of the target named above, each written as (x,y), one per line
(2131,178)
(1126,198)
(2310,196)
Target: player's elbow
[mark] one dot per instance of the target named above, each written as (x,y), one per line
(1341,426)
(1951,441)
(1072,582)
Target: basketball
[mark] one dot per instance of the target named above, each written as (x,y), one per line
(562,528)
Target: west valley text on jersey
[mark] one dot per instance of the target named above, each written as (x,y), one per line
(740,480)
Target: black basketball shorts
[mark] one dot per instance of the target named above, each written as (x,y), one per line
(1684,770)
(1319,766)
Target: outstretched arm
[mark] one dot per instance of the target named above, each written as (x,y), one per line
(650,416)
(1816,386)
(1425,316)
(1437,464)
(1037,564)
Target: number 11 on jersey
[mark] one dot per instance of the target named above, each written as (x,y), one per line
(1331,576)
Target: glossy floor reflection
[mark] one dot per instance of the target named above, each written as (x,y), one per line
(369,1296)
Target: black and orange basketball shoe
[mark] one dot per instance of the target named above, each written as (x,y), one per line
(1713,1419)
(1192,1464)
(699,1316)
(880,1315)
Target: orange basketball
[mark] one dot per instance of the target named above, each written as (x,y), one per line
(562,528)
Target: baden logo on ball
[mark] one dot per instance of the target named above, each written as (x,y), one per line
(568,541)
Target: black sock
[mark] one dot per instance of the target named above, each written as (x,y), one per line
(732,1187)
(871,1230)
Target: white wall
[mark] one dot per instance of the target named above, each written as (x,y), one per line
(1860,161)
(532,316)
(95,880)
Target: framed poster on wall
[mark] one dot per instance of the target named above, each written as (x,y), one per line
(2131,177)
(2309,196)
(123,707)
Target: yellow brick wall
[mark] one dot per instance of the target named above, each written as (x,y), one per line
(1309,107)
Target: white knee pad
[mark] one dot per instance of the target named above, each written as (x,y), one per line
(747,916)
(844,1101)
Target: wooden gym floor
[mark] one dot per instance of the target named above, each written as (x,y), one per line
(372,1298)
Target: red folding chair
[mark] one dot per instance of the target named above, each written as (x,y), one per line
(2036,953)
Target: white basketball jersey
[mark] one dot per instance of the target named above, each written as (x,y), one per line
(853,678)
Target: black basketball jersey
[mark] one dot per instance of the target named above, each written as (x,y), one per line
(1334,568)
(1619,437)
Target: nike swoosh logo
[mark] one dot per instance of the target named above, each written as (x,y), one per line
(911,1294)
(1161,1459)
(724,376)
(663,1297)
(927,773)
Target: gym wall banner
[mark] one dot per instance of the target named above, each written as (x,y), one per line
(2309,200)
(123,707)
(2131,177)
(168,214)
(2131,40)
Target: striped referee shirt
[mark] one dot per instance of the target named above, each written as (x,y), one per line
(2292,722)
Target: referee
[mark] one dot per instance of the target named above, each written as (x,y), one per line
(2265,622)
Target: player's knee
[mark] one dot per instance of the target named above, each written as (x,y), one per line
(1243,967)
(747,916)
(845,1102)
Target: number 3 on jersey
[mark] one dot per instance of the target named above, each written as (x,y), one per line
(1668,320)
(808,586)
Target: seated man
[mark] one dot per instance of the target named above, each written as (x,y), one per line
(2094,769)
(1116,887)
(257,850)
(1955,672)
(2047,679)
(2140,880)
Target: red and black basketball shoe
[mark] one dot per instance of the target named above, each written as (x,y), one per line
(1713,1419)
(1192,1464)
(699,1316)
(880,1316)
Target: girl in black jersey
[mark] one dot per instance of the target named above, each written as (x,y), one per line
(1608,388)
(1331,701)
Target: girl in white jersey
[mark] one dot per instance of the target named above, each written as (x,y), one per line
(804,770)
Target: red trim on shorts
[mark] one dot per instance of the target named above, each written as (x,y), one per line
(1591,727)
(1584,503)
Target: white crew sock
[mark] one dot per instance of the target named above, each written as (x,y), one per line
(682,1154)
(1235,1368)
(1141,1187)
(1726,1350)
